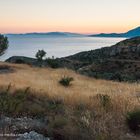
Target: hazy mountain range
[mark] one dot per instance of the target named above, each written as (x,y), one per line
(131,33)
(50,34)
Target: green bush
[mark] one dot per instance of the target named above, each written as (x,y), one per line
(55,105)
(66,81)
(133,121)
(117,76)
(59,123)
(52,63)
(12,103)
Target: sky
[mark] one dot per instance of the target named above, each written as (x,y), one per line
(81,16)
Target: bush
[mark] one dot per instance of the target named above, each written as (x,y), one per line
(52,63)
(117,76)
(55,105)
(133,121)
(12,103)
(59,123)
(20,61)
(66,81)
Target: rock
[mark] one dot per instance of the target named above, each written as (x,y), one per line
(32,136)
(23,124)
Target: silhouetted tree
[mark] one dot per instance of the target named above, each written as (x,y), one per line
(40,54)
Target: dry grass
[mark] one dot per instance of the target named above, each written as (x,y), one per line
(45,80)
(109,123)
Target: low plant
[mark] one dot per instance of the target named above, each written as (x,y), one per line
(12,103)
(66,81)
(133,121)
(52,62)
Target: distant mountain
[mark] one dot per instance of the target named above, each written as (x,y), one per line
(50,34)
(132,33)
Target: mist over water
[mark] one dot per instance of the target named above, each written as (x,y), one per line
(54,46)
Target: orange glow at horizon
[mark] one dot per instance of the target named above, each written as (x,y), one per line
(82,30)
(79,16)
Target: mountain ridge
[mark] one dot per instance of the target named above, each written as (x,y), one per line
(63,34)
(129,34)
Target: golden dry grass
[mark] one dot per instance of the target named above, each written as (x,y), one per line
(124,96)
(45,80)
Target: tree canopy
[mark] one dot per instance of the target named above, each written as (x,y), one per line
(3,44)
(40,54)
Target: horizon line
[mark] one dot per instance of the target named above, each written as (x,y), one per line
(37,32)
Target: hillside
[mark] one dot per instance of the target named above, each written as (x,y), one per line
(129,34)
(118,62)
(64,113)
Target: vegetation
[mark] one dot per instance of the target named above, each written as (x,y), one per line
(91,109)
(66,81)
(105,100)
(40,54)
(53,63)
(133,121)
(3,44)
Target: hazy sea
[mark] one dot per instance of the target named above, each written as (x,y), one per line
(20,45)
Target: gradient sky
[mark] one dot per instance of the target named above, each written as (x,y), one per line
(83,16)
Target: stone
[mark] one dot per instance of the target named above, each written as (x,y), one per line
(32,136)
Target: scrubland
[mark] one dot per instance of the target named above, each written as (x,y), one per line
(88,109)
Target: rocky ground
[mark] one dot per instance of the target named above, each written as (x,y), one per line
(21,128)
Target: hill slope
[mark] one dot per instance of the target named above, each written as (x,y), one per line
(121,60)
(132,33)
(69,111)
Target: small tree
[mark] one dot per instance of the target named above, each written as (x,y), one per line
(40,54)
(3,44)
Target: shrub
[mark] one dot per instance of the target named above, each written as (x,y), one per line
(20,61)
(133,121)
(12,103)
(59,123)
(66,81)
(52,63)
(117,76)
(55,105)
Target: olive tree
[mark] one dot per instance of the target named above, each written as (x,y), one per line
(3,44)
(40,54)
